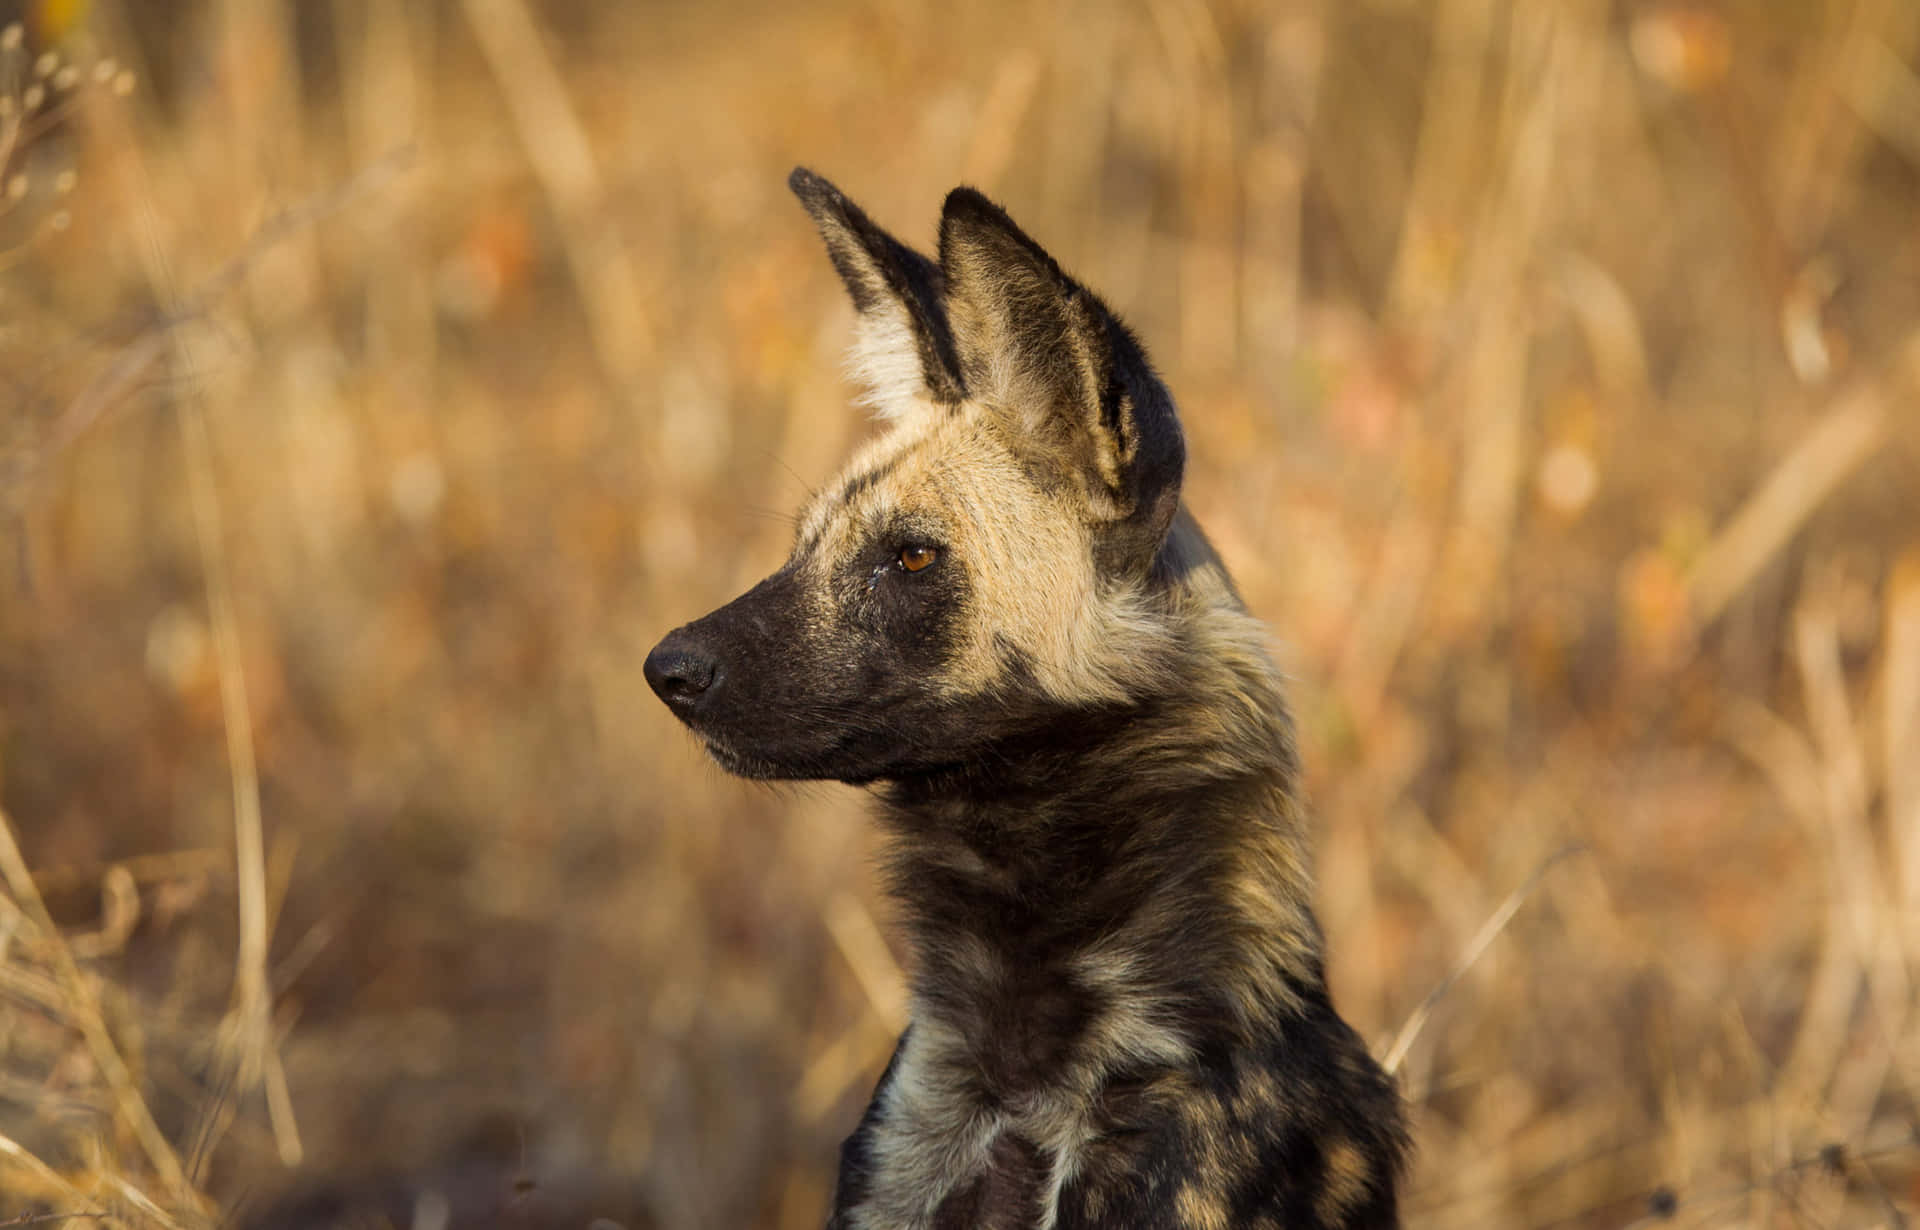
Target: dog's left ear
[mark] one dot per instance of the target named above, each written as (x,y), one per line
(903,352)
(1039,346)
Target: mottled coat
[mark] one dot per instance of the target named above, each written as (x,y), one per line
(1003,619)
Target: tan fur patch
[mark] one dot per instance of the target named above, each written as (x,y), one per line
(1269,889)
(1345,1184)
(1028,554)
(1135,1029)
(1200,1208)
(1259,1093)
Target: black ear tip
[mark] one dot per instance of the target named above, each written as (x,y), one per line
(813,190)
(972,204)
(970,220)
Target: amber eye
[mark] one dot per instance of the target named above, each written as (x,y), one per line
(914,559)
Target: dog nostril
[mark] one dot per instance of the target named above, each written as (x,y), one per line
(677,675)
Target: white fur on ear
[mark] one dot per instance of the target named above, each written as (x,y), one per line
(884,361)
(902,356)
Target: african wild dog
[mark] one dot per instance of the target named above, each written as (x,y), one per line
(1002,617)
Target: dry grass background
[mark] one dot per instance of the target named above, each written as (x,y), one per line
(378,381)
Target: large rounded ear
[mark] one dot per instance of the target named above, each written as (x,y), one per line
(903,352)
(1075,383)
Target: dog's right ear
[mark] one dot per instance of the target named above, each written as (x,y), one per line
(904,351)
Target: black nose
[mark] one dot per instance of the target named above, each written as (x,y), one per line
(680,673)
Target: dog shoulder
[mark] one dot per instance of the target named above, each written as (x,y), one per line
(1303,1133)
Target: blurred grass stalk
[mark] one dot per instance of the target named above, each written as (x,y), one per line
(80,1007)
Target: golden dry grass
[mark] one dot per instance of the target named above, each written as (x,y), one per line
(378,381)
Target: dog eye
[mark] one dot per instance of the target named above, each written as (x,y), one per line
(915,559)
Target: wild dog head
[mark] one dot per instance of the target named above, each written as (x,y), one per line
(998,555)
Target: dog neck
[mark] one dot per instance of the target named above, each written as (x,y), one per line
(1121,896)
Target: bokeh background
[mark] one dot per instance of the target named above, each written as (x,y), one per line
(378,381)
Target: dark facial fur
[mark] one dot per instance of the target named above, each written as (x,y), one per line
(1002,616)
